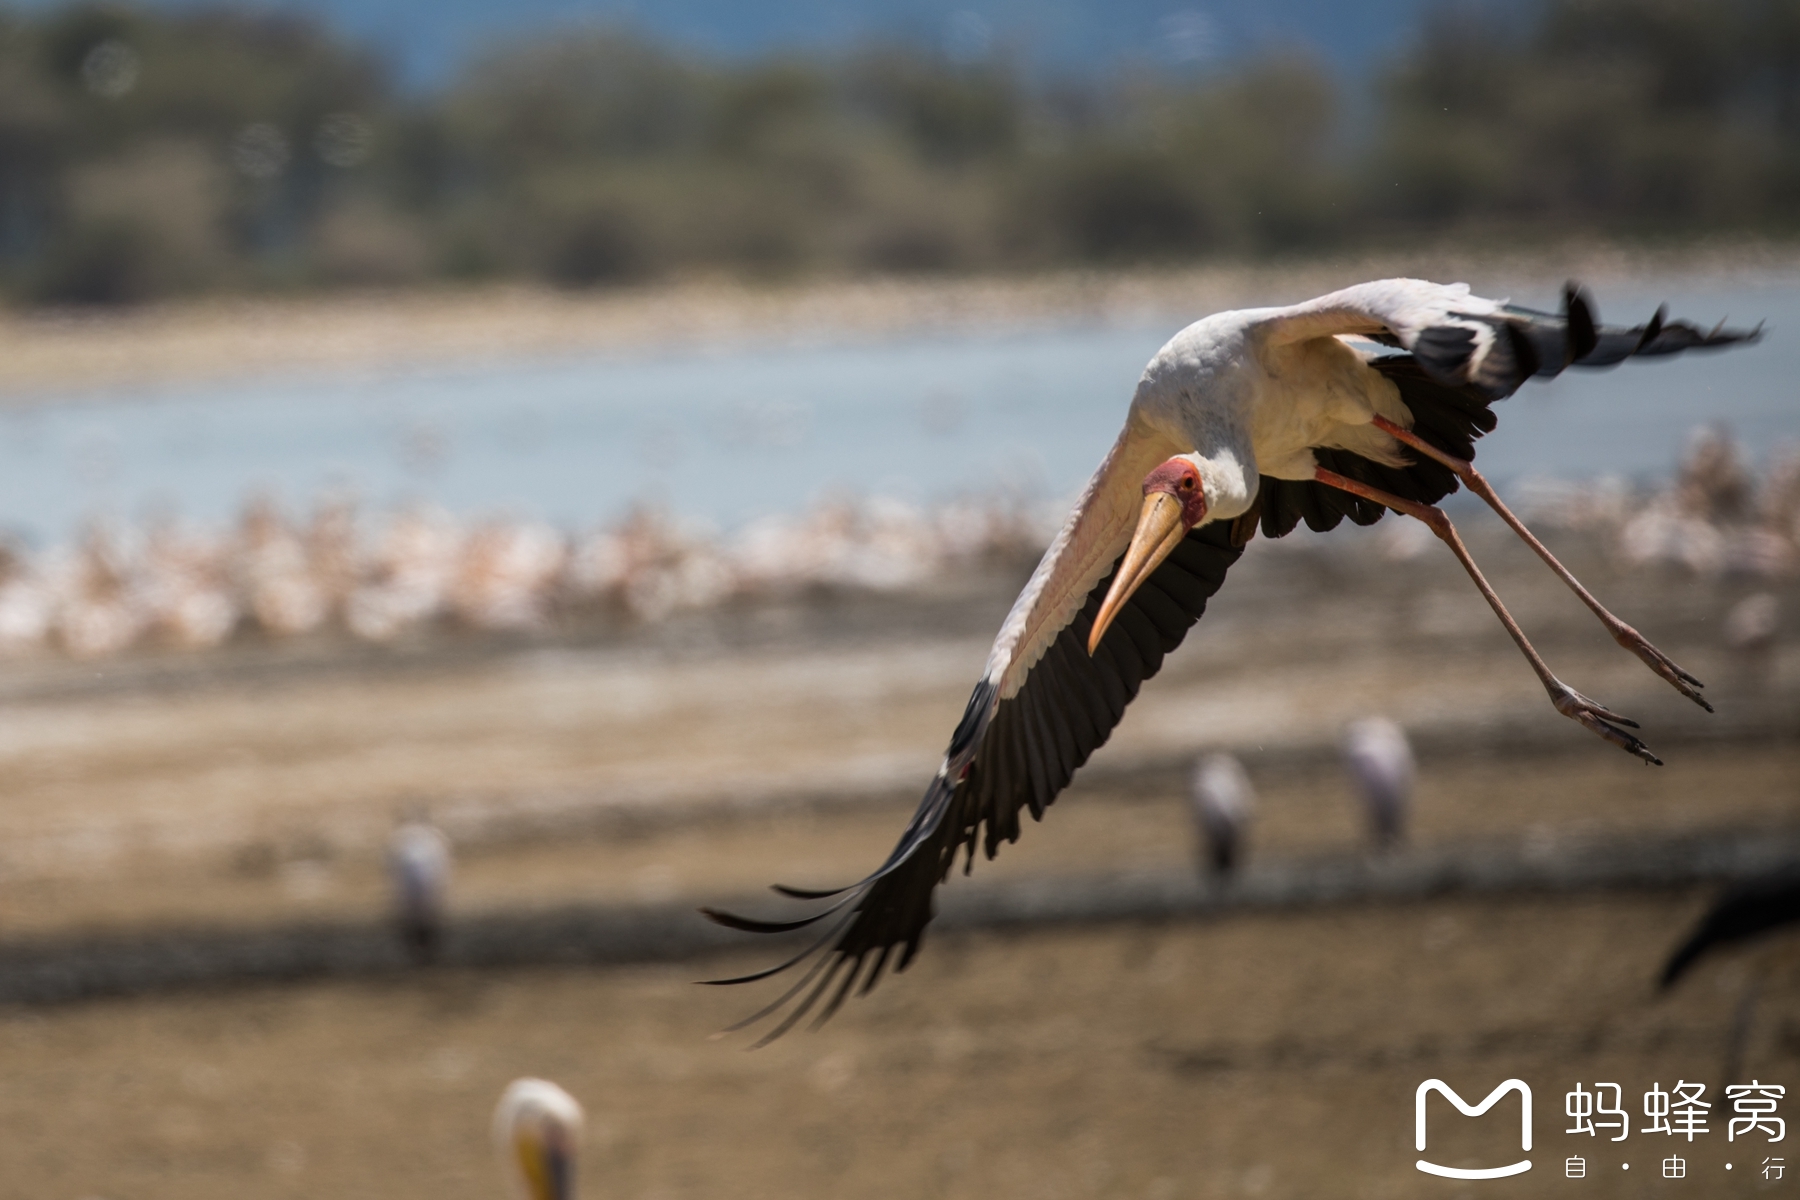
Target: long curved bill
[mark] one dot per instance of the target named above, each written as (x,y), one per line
(1159,531)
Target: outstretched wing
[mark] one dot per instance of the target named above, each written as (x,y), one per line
(1463,353)
(1043,706)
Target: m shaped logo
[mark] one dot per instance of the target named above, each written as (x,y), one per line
(1467,1110)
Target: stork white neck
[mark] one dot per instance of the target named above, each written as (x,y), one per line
(1196,394)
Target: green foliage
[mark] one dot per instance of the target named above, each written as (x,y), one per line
(143,154)
(1625,115)
(945,112)
(146,153)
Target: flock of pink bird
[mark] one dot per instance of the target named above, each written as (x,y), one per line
(419,567)
(174,585)
(1716,518)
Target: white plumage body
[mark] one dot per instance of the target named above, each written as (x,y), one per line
(1229,388)
(1247,393)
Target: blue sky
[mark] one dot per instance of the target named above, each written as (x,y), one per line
(426,39)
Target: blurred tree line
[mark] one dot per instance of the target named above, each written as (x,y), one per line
(152,153)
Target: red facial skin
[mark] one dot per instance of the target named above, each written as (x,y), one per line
(1178,478)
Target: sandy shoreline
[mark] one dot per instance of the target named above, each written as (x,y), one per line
(46,355)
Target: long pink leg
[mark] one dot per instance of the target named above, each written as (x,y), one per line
(1622,633)
(1569,702)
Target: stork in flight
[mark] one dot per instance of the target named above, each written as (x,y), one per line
(1360,401)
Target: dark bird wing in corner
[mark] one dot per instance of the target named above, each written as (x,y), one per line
(1745,910)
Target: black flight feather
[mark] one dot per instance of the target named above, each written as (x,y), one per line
(891,908)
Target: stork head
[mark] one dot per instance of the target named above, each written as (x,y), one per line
(537,1127)
(1174,502)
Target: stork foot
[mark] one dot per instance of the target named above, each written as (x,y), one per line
(1659,662)
(1600,720)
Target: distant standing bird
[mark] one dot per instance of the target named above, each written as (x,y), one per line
(419,867)
(1223,802)
(1267,417)
(537,1131)
(1380,762)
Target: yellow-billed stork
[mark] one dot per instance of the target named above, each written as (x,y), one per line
(1363,400)
(537,1131)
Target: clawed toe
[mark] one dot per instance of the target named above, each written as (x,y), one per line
(1602,721)
(1571,703)
(1659,662)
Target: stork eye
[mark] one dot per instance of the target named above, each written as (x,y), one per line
(1187,484)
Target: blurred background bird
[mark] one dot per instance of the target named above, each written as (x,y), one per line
(1752,623)
(102,609)
(419,859)
(1379,760)
(537,1132)
(1223,803)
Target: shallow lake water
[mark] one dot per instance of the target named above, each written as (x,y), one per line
(732,434)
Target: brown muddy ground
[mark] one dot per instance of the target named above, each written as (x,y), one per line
(1303,811)
(704,761)
(1259,1056)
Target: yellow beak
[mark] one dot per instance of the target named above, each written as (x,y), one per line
(547,1167)
(1159,531)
